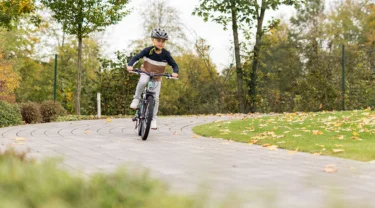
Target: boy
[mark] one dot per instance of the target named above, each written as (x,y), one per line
(155,60)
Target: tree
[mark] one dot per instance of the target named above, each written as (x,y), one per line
(83,17)
(227,12)
(258,15)
(163,16)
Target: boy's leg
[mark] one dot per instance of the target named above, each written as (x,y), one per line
(157,94)
(143,80)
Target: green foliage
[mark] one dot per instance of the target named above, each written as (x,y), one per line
(31,112)
(21,185)
(86,16)
(51,111)
(9,114)
(116,86)
(11,10)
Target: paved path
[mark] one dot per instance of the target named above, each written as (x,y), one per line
(256,175)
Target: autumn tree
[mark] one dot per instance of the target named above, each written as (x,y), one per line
(229,12)
(12,10)
(83,17)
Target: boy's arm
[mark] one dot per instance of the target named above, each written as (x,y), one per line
(135,58)
(172,63)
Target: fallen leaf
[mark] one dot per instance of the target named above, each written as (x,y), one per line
(282,142)
(266,145)
(272,147)
(339,145)
(330,168)
(341,137)
(254,141)
(18,139)
(297,135)
(293,152)
(317,132)
(355,134)
(196,136)
(317,153)
(108,120)
(88,132)
(338,150)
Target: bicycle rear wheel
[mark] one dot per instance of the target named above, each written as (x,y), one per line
(148,114)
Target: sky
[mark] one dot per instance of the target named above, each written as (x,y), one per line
(118,37)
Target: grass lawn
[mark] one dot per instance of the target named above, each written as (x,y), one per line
(348,134)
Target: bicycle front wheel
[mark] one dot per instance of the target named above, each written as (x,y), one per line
(148,115)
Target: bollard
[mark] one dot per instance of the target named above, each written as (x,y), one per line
(99,110)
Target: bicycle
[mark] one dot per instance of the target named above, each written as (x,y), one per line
(145,110)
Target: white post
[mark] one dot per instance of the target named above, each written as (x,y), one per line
(99,110)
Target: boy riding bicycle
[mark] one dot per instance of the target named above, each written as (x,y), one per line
(155,59)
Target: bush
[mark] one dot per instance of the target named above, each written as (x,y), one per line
(9,114)
(30,112)
(27,183)
(51,110)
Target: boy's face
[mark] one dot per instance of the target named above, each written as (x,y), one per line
(159,43)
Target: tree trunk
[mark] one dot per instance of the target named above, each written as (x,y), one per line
(240,94)
(78,95)
(257,48)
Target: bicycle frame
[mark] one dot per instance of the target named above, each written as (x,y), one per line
(144,112)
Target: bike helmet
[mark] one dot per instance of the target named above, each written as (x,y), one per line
(159,33)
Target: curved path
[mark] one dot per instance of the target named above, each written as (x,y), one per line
(256,175)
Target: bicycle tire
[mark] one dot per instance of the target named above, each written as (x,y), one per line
(148,114)
(139,122)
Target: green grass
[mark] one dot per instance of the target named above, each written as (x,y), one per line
(350,133)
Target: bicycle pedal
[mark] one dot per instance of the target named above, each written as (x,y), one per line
(134,119)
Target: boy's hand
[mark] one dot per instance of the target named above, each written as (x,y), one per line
(129,68)
(174,75)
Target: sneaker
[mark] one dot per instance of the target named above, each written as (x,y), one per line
(134,104)
(153,124)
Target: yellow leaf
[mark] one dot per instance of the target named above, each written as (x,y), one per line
(108,120)
(272,147)
(266,145)
(297,135)
(355,134)
(339,145)
(254,141)
(19,139)
(337,150)
(341,137)
(316,153)
(196,136)
(317,132)
(293,152)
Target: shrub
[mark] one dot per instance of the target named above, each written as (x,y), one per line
(51,110)
(27,183)
(30,112)
(9,114)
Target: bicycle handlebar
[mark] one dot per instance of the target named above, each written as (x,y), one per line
(138,71)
